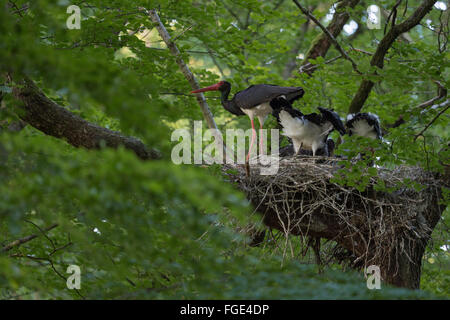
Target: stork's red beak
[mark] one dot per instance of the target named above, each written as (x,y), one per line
(210,88)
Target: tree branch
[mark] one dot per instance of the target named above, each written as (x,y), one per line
(385,44)
(446,106)
(310,68)
(323,42)
(441,93)
(392,14)
(21,241)
(404,36)
(292,61)
(184,68)
(189,76)
(47,116)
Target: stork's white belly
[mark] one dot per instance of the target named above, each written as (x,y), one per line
(303,132)
(260,111)
(363,129)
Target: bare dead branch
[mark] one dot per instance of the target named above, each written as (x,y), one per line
(184,68)
(50,262)
(43,232)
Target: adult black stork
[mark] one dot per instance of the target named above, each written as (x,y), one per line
(364,125)
(253,102)
(308,131)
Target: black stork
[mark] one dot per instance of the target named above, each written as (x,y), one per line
(308,131)
(253,102)
(364,125)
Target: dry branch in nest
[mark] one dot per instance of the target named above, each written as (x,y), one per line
(387,229)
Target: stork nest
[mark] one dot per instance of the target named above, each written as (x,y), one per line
(369,227)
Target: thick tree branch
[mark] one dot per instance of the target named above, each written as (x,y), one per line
(323,42)
(47,116)
(385,44)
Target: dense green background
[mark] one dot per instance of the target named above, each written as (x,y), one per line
(167,231)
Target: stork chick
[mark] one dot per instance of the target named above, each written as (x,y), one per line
(364,125)
(309,131)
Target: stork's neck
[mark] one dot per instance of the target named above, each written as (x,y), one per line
(229,105)
(224,96)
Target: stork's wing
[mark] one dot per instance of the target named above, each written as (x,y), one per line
(334,118)
(314,118)
(377,129)
(279,104)
(261,93)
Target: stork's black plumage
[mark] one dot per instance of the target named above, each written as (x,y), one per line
(307,131)
(364,125)
(253,101)
(255,95)
(333,117)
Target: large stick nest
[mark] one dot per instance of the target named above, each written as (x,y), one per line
(370,227)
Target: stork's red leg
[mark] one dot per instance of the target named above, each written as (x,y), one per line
(253,139)
(261,146)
